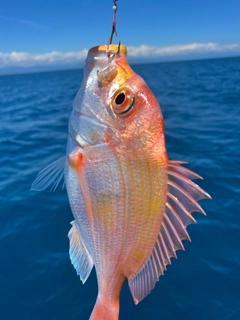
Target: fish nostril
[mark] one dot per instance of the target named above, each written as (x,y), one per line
(120,98)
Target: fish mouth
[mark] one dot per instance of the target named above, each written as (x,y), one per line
(100,53)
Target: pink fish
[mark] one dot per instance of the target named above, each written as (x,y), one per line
(131,204)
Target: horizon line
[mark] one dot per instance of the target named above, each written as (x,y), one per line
(63,68)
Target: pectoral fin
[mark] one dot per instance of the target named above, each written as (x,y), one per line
(182,199)
(51,175)
(79,255)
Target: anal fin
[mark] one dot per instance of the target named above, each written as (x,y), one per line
(182,200)
(79,255)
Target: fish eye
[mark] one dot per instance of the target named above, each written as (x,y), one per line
(122,101)
(120,98)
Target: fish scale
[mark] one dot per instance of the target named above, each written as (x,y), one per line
(145,211)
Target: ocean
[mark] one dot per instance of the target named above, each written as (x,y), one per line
(200,101)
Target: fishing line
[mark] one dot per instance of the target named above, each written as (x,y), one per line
(114,23)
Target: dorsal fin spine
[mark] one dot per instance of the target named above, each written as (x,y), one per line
(184,171)
(181,206)
(164,250)
(178,244)
(194,202)
(183,228)
(168,242)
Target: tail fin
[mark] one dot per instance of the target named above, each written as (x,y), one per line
(104,311)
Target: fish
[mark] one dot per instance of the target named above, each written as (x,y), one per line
(131,204)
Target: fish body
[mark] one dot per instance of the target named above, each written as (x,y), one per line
(131,205)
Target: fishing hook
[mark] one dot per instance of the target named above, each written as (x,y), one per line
(119,46)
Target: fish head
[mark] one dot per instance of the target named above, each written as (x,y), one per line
(114,107)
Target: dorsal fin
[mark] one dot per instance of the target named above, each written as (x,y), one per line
(51,175)
(79,255)
(182,199)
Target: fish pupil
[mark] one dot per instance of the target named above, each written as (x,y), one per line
(120,98)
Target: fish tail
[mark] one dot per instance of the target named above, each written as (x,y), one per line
(103,311)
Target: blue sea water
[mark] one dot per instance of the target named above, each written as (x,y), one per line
(200,101)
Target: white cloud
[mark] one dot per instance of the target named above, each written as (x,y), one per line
(148,51)
(24,59)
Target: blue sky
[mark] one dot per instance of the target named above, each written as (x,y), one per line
(49,32)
